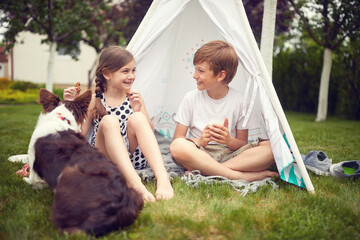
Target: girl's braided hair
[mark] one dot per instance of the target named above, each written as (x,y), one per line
(111,59)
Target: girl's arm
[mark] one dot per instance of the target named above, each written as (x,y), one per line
(69,94)
(138,105)
(88,119)
(143,110)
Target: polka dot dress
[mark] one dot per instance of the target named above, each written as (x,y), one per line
(122,112)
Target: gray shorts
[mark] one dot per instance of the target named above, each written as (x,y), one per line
(222,153)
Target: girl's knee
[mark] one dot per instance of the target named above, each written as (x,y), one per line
(136,118)
(108,119)
(109,122)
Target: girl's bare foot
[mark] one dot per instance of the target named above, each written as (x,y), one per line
(146,195)
(164,190)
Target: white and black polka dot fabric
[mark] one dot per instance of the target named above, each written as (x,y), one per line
(122,112)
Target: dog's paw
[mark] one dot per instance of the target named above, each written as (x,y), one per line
(28,180)
(37,184)
(19,158)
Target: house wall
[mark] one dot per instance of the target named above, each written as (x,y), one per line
(3,63)
(31,61)
(3,71)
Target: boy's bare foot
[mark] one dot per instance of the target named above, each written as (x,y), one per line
(274,174)
(257,176)
(164,190)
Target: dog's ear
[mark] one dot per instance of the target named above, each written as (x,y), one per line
(84,99)
(48,100)
(80,106)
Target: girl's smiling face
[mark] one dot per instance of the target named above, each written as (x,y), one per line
(122,78)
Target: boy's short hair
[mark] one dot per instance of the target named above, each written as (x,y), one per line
(220,55)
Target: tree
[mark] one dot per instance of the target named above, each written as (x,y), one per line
(267,18)
(61,22)
(331,23)
(134,11)
(107,29)
(122,21)
(255,11)
(268,33)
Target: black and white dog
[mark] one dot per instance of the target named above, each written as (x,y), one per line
(89,193)
(59,116)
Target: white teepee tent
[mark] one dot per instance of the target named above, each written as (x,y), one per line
(163,47)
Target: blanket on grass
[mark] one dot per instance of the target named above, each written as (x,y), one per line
(192,179)
(195,178)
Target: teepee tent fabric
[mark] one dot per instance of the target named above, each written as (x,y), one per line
(163,47)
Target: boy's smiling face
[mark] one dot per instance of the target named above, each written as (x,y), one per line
(204,76)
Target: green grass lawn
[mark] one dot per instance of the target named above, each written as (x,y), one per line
(209,211)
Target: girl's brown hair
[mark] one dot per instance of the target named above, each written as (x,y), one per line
(221,56)
(111,59)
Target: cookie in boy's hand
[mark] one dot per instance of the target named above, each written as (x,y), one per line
(77,85)
(216,121)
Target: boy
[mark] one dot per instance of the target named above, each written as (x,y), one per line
(220,149)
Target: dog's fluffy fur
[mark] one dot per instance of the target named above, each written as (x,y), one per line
(89,193)
(59,116)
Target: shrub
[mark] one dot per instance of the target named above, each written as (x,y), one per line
(4,83)
(296,78)
(22,92)
(18,96)
(23,85)
(348,78)
(58,92)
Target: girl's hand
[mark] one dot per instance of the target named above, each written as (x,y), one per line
(220,133)
(136,101)
(205,137)
(70,93)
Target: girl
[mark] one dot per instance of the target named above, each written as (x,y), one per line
(121,125)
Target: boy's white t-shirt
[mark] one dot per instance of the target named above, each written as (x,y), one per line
(198,109)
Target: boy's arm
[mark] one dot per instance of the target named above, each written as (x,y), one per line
(220,134)
(181,130)
(241,139)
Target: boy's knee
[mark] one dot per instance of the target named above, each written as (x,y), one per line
(265,143)
(176,146)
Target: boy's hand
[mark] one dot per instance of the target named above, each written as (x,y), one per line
(205,137)
(220,133)
(136,101)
